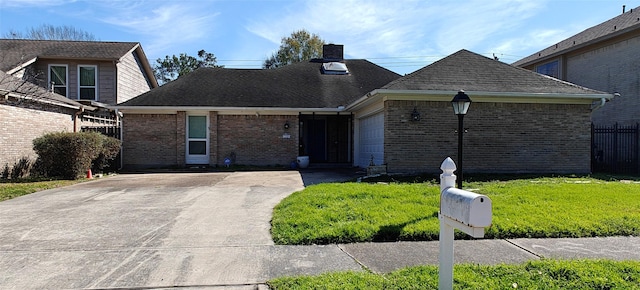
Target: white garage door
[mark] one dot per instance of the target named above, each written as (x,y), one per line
(371,140)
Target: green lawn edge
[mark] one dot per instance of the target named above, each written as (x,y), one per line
(538,274)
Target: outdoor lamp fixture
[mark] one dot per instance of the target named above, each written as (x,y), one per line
(286,125)
(415,115)
(460,103)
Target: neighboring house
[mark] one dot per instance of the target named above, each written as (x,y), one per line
(102,72)
(51,86)
(28,111)
(353,111)
(604,57)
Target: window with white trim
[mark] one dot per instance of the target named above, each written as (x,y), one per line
(58,79)
(87,82)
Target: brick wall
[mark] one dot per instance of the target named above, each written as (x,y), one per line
(501,137)
(611,68)
(257,140)
(159,140)
(22,122)
(150,140)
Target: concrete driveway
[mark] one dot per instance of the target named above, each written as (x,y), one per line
(200,230)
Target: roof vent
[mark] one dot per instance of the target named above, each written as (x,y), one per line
(334,68)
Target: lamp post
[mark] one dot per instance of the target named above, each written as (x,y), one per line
(460,103)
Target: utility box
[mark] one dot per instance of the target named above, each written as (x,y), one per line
(468,208)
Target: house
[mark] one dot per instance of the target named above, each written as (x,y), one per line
(28,111)
(604,57)
(92,71)
(52,86)
(253,116)
(352,111)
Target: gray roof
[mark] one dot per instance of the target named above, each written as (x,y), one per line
(624,23)
(19,51)
(473,72)
(18,87)
(299,85)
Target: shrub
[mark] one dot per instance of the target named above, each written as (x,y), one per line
(110,149)
(5,171)
(21,168)
(70,155)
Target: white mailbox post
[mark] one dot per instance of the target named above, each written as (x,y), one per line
(460,209)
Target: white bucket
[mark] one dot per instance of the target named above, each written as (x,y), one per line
(303,161)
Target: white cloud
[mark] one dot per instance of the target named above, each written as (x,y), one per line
(469,25)
(364,27)
(165,27)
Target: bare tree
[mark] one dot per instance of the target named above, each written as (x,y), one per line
(50,32)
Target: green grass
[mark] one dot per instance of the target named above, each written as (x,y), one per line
(532,208)
(9,190)
(542,274)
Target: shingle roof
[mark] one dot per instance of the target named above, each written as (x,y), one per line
(473,72)
(19,87)
(18,51)
(299,85)
(618,25)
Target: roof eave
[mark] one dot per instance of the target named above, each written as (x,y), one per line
(573,48)
(477,96)
(21,66)
(224,110)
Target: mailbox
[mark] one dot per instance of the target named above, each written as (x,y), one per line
(468,208)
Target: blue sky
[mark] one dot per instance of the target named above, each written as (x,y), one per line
(400,35)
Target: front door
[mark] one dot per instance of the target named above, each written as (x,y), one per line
(197,140)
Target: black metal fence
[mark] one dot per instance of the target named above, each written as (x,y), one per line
(111,131)
(614,149)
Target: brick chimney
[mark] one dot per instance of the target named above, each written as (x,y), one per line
(333,52)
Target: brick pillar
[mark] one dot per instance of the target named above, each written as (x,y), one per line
(181,127)
(213,138)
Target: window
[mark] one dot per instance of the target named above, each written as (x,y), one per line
(58,79)
(551,69)
(87,80)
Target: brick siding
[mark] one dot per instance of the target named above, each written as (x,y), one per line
(501,137)
(149,140)
(159,140)
(611,68)
(257,140)
(21,122)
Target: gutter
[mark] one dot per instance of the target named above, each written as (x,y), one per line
(604,101)
(477,96)
(247,110)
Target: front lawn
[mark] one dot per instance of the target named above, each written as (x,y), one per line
(526,208)
(9,189)
(543,274)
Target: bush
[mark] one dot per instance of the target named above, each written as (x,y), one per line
(4,174)
(21,168)
(70,155)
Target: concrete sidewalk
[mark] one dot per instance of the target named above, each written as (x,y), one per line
(387,257)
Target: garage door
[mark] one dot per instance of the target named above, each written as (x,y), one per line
(371,140)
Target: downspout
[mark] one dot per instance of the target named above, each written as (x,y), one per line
(119,123)
(604,100)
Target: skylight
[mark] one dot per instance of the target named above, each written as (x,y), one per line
(335,68)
